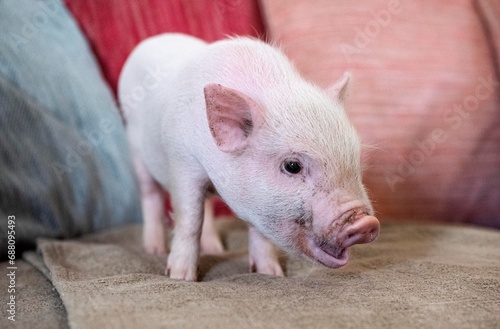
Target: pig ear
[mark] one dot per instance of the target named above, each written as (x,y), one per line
(338,91)
(232,116)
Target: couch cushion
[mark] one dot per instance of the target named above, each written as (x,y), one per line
(115,27)
(64,160)
(424,98)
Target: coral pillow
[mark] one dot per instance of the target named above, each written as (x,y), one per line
(425,96)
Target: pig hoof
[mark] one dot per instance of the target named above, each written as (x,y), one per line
(275,270)
(181,274)
(271,267)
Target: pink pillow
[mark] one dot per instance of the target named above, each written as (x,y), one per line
(424,98)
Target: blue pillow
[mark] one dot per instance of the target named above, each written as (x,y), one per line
(65,166)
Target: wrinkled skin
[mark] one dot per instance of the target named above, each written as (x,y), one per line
(236,117)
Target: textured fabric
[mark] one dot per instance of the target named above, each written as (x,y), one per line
(37,302)
(411,277)
(64,161)
(424,97)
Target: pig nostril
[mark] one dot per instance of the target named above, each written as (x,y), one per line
(373,234)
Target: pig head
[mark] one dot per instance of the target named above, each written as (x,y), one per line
(295,167)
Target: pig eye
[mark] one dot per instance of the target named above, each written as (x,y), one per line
(292,167)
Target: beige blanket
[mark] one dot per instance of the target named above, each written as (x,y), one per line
(413,276)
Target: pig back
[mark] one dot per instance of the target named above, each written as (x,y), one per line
(147,96)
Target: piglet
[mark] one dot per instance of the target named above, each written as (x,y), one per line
(236,118)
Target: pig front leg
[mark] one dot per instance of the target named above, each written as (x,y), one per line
(263,255)
(188,202)
(152,209)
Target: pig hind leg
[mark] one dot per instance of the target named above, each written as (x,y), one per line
(210,239)
(152,198)
(263,255)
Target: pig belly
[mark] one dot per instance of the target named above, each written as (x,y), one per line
(145,85)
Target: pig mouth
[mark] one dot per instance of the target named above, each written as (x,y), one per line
(318,248)
(330,255)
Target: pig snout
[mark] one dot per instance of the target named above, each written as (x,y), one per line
(363,230)
(333,252)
